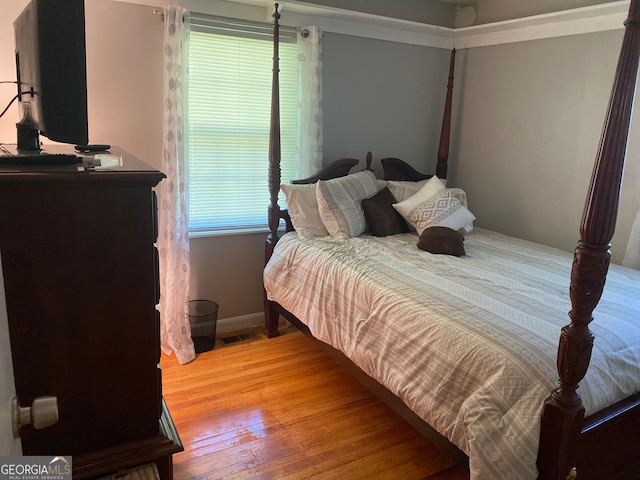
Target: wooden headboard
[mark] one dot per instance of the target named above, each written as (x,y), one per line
(394,168)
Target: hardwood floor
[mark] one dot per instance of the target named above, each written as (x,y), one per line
(283,409)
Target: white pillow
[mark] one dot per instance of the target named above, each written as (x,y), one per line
(435,205)
(402,190)
(405,190)
(340,203)
(460,194)
(303,210)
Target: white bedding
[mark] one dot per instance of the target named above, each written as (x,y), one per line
(468,343)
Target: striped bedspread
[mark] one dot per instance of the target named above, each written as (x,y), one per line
(469,343)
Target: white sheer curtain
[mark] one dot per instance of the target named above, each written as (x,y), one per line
(173,240)
(309,101)
(632,254)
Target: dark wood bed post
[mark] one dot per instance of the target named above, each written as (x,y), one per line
(445,132)
(274,213)
(563,415)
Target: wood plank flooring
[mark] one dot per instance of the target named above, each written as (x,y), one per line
(281,408)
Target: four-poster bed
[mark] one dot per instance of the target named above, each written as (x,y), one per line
(601,446)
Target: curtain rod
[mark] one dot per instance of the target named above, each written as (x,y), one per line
(236,22)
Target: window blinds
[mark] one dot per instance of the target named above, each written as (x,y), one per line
(228,120)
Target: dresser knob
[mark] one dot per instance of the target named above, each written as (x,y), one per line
(41,414)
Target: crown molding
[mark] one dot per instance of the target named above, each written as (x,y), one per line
(295,13)
(597,18)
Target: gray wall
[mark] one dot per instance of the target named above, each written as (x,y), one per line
(383,97)
(526,144)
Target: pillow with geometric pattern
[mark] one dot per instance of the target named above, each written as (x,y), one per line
(435,205)
(403,189)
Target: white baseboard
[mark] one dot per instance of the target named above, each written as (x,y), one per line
(233,324)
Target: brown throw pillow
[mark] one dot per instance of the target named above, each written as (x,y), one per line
(442,240)
(381,217)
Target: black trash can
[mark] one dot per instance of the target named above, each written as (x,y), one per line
(203,317)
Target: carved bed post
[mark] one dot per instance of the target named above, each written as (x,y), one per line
(271,316)
(563,412)
(445,132)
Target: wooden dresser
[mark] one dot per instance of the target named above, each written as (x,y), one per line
(81,280)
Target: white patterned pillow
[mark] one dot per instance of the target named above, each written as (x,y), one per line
(303,210)
(340,203)
(404,189)
(436,205)
(460,194)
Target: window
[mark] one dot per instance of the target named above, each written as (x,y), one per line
(228,120)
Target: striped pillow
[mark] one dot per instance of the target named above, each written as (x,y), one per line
(303,210)
(340,203)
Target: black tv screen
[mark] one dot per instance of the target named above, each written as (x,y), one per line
(51,70)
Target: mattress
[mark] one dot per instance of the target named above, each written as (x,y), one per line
(468,343)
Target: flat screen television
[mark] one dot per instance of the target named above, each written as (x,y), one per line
(51,73)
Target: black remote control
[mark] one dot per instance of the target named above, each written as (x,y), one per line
(92,148)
